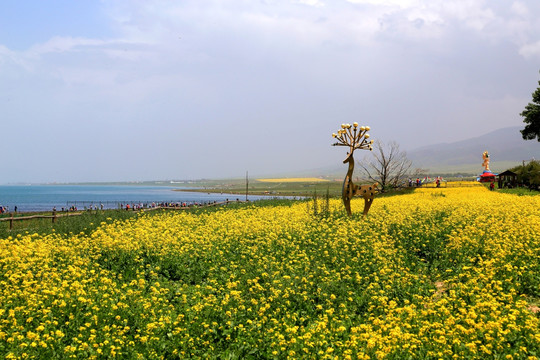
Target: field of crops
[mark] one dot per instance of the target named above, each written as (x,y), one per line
(285,180)
(438,273)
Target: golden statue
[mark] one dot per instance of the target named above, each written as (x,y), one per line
(485,164)
(355,138)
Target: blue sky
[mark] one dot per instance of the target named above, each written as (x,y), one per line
(147,90)
(25,23)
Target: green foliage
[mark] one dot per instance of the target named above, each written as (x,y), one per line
(520,192)
(84,223)
(531,116)
(528,174)
(319,206)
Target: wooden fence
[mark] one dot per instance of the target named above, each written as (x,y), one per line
(55,215)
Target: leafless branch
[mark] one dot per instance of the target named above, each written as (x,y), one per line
(388,165)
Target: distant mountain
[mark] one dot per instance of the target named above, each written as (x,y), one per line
(505,146)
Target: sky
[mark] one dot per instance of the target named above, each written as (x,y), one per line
(119,90)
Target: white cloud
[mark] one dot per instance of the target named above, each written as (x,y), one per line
(396,3)
(316,3)
(531,50)
(63,44)
(277,22)
(13,62)
(520,9)
(6,54)
(187,68)
(70,44)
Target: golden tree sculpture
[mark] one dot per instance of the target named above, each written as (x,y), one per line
(355,137)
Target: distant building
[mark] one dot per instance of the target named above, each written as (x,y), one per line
(507,179)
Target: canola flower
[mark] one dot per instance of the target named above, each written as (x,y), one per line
(439,273)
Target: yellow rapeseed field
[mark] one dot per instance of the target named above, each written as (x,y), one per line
(439,273)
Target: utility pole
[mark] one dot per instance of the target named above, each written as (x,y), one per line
(247,185)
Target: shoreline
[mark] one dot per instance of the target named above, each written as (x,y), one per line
(251,192)
(29,199)
(233,197)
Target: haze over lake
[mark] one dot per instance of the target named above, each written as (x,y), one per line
(45,197)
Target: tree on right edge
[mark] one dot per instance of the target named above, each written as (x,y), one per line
(531,116)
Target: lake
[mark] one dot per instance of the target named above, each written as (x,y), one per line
(45,197)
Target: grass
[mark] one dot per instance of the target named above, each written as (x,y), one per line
(285,188)
(520,192)
(282,188)
(84,223)
(284,180)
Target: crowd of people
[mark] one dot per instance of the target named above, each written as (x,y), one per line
(419,182)
(5,209)
(130,206)
(142,206)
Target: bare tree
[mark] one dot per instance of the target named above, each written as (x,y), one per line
(419,173)
(388,165)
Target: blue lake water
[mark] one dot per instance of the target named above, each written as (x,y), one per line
(45,197)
